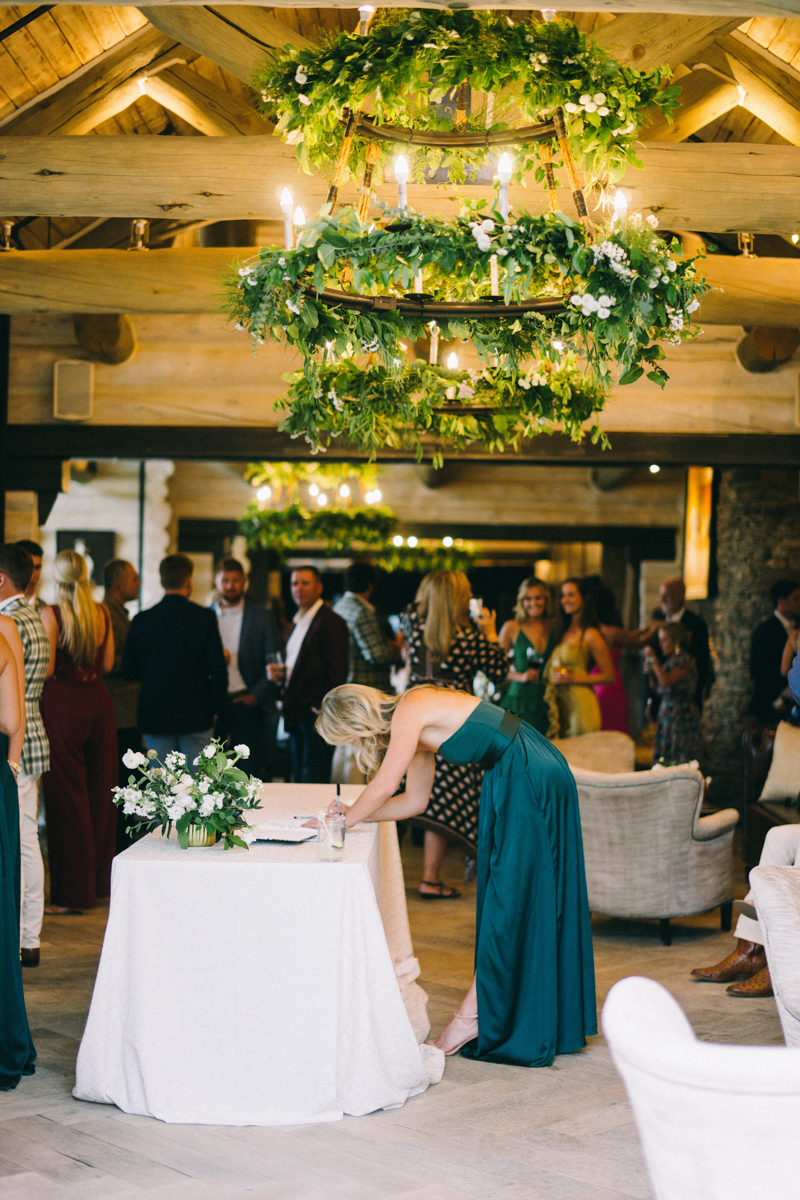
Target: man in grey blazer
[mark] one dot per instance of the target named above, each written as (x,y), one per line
(250,638)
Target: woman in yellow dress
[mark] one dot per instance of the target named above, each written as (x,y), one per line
(580,646)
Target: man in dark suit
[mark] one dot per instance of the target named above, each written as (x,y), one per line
(174,649)
(766,651)
(316,661)
(673,608)
(250,639)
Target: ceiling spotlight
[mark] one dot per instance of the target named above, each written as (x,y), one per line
(447,541)
(548,15)
(654,468)
(344,491)
(412,541)
(313,490)
(264,492)
(397,540)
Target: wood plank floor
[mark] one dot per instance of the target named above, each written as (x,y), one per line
(485,1133)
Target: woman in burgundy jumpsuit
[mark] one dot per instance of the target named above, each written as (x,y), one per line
(79,719)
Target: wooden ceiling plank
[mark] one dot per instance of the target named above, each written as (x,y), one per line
(763,29)
(646,40)
(130,19)
(261,26)
(54,46)
(206,107)
(16,85)
(704,98)
(37,70)
(73,23)
(785,43)
(83,99)
(718,188)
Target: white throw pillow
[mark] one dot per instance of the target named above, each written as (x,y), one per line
(783,781)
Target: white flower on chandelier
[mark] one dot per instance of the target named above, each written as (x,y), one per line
(303,99)
(300,77)
(242,750)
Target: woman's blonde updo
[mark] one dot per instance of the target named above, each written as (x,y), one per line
(77,606)
(359,715)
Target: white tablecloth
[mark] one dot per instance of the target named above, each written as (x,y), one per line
(258,987)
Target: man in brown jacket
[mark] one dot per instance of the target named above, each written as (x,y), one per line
(316,661)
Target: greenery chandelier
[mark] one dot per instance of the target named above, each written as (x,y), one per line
(555,308)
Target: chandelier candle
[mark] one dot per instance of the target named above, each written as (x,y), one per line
(287,203)
(401,175)
(504,172)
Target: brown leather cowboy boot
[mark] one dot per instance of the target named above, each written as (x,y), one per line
(759,984)
(746,960)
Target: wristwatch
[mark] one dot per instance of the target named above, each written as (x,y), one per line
(14,767)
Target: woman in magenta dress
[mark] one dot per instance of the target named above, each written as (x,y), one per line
(79,719)
(612,697)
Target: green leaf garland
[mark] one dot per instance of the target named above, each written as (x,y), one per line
(411,59)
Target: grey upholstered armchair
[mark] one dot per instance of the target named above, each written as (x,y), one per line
(649,854)
(776,891)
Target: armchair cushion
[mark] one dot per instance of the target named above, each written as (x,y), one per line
(783,780)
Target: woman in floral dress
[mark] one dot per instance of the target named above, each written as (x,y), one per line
(679,738)
(447,648)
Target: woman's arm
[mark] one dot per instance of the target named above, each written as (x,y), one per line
(627,638)
(48,619)
(508,635)
(12,705)
(411,802)
(666,678)
(108,656)
(11,634)
(407,724)
(789,651)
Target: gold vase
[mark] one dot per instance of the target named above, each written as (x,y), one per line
(199,836)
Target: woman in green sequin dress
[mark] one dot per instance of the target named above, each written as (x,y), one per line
(529,639)
(533,993)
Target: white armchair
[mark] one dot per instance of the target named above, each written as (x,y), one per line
(715,1122)
(649,854)
(776,891)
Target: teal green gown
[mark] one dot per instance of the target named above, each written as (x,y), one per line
(529,700)
(17,1052)
(533,939)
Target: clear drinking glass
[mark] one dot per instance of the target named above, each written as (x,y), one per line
(330,838)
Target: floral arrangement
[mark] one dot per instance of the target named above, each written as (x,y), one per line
(215,797)
(422,407)
(338,529)
(426,556)
(411,60)
(623,293)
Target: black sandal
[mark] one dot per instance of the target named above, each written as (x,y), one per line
(444,893)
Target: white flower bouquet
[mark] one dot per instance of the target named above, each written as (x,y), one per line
(215,797)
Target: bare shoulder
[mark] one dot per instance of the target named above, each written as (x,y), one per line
(509,630)
(595,638)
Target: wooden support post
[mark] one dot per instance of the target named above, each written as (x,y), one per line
(545,152)
(365,200)
(569,163)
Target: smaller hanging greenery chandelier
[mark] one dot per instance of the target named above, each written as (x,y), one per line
(338,514)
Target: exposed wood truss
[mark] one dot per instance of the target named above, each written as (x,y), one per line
(235,37)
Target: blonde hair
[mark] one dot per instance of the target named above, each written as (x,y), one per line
(520,615)
(354,713)
(77,606)
(443,606)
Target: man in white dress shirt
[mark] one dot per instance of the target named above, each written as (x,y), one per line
(250,639)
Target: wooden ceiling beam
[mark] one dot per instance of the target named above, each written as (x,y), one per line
(206,107)
(234,38)
(645,40)
(704,98)
(714,187)
(772,87)
(87,97)
(750,291)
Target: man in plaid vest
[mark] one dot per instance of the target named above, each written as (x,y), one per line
(16,566)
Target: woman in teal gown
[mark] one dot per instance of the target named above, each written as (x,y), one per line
(529,639)
(17,1052)
(533,994)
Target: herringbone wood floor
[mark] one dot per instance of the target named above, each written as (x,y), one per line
(485,1133)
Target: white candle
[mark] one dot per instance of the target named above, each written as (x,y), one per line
(287,204)
(401,175)
(434,354)
(504,173)
(495,275)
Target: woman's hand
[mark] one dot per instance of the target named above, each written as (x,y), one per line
(563,676)
(532,675)
(487,623)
